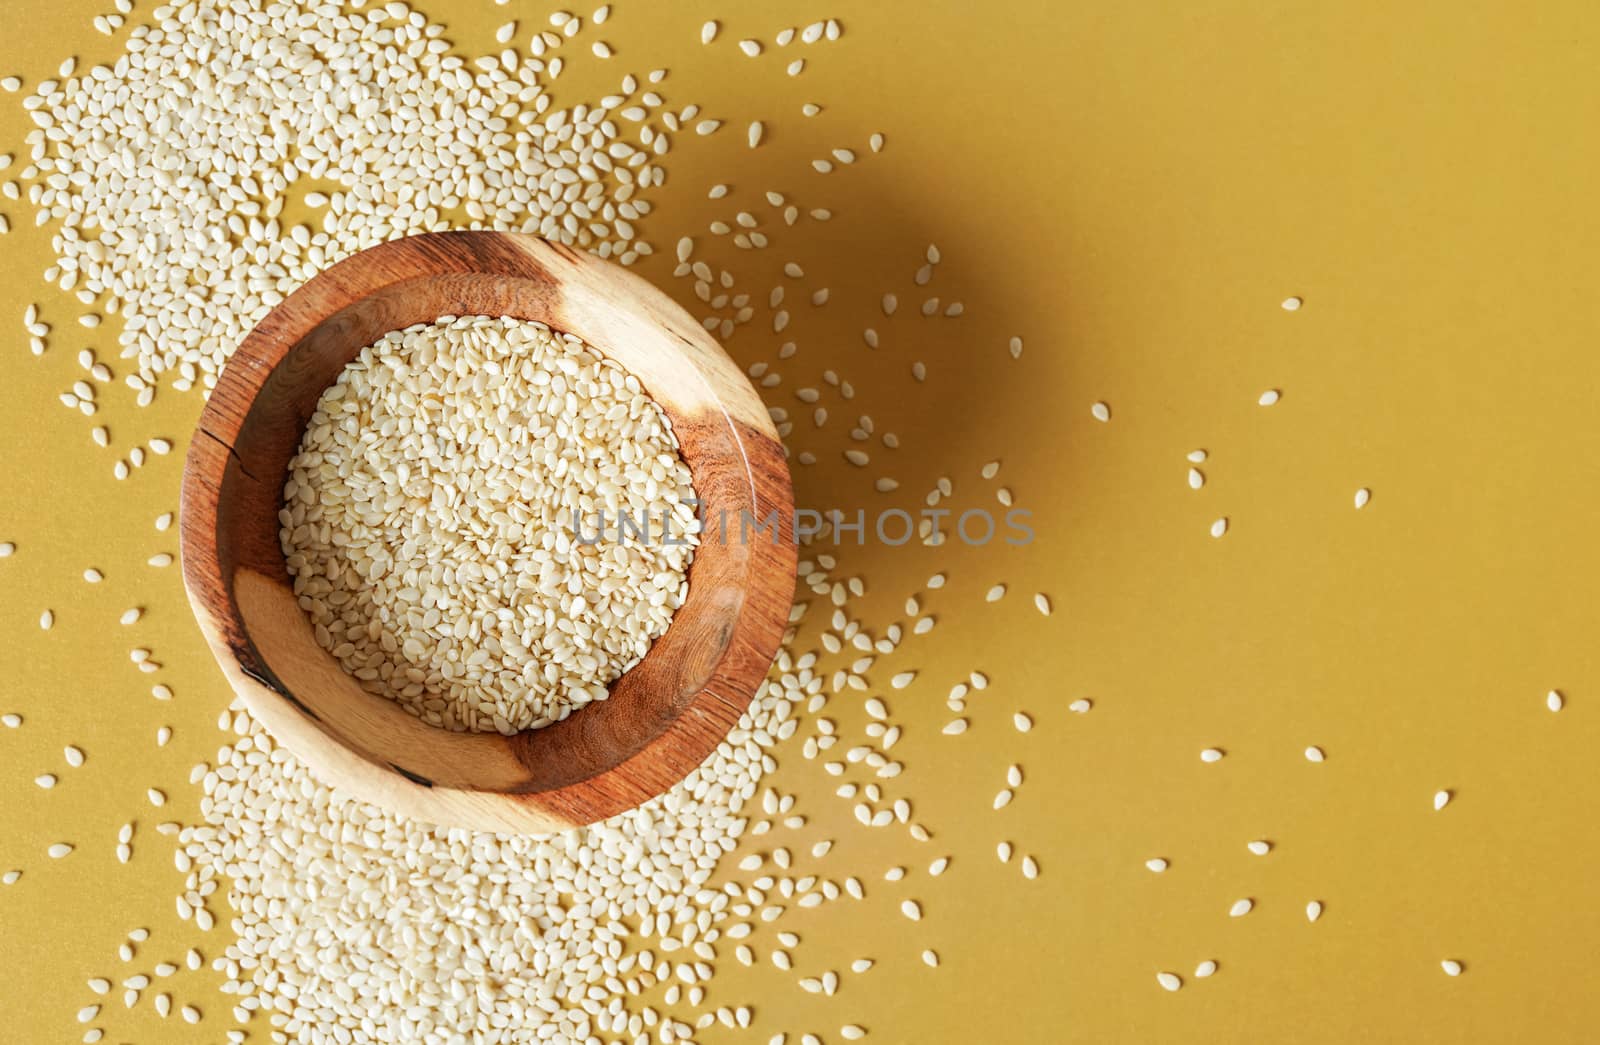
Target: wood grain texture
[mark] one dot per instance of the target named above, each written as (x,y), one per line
(664,716)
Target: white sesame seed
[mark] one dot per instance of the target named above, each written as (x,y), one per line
(708,32)
(1080,706)
(131,616)
(754,133)
(1169,981)
(45,780)
(1041,603)
(73,754)
(1022,722)
(1030,868)
(1363,496)
(1269,397)
(7,549)
(1441,799)
(1450,967)
(1197,456)
(1211,754)
(995,594)
(911,909)
(1204,969)
(1100,412)
(1220,527)
(930,959)
(1197,479)
(58,850)
(1314,754)
(93,576)
(750,47)
(1292,304)
(1313,910)
(1240,908)
(157,797)
(1259,847)
(46,620)
(1553,700)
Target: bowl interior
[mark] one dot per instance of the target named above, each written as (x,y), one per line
(664,715)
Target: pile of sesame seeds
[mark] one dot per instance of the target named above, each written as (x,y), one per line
(450,556)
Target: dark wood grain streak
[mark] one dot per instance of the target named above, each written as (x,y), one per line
(663,717)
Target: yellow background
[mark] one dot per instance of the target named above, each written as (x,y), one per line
(1132,188)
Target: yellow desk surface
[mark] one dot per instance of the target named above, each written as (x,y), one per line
(1133,189)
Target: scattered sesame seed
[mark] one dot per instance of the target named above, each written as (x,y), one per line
(1451,967)
(1313,910)
(1211,754)
(1100,412)
(1169,981)
(1441,799)
(1241,908)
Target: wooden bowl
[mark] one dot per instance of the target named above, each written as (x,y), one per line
(663,717)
